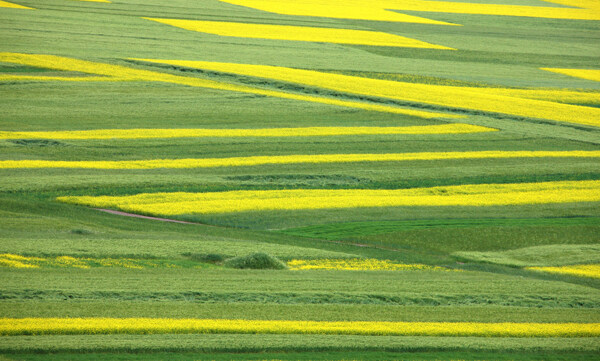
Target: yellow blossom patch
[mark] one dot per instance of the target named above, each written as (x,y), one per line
(549,12)
(18,261)
(390,10)
(131,74)
(357,264)
(454,128)
(82,326)
(588,74)
(299,33)
(584,270)
(551,95)
(15,264)
(293,159)
(295,199)
(439,95)
(6,4)
(332,9)
(10,77)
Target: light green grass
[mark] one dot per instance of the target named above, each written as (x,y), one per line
(314,312)
(157,248)
(554,255)
(293,287)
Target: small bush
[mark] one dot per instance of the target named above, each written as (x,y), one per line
(81,231)
(256,261)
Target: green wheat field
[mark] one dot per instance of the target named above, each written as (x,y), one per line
(299,180)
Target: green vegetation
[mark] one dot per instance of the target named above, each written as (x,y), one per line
(255,261)
(553,255)
(357,229)
(279,343)
(219,273)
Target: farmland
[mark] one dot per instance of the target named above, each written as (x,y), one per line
(299,180)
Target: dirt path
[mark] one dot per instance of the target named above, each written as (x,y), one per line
(119,213)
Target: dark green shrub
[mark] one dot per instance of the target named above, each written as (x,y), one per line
(206,257)
(256,261)
(80,231)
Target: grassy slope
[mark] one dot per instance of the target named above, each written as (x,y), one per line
(494,50)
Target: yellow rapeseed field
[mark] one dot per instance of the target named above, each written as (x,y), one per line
(440,95)
(9,77)
(584,270)
(551,95)
(18,261)
(75,326)
(123,73)
(293,159)
(380,10)
(332,9)
(453,128)
(6,4)
(357,264)
(299,33)
(238,201)
(466,7)
(589,74)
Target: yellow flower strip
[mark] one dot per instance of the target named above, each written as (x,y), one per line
(292,159)
(15,264)
(125,73)
(333,9)
(551,95)
(299,33)
(454,128)
(492,9)
(6,4)
(79,326)
(8,77)
(440,95)
(583,4)
(18,261)
(357,264)
(239,201)
(380,10)
(589,74)
(586,270)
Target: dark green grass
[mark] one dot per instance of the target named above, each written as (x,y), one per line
(332,356)
(276,220)
(288,343)
(13,68)
(485,238)
(357,229)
